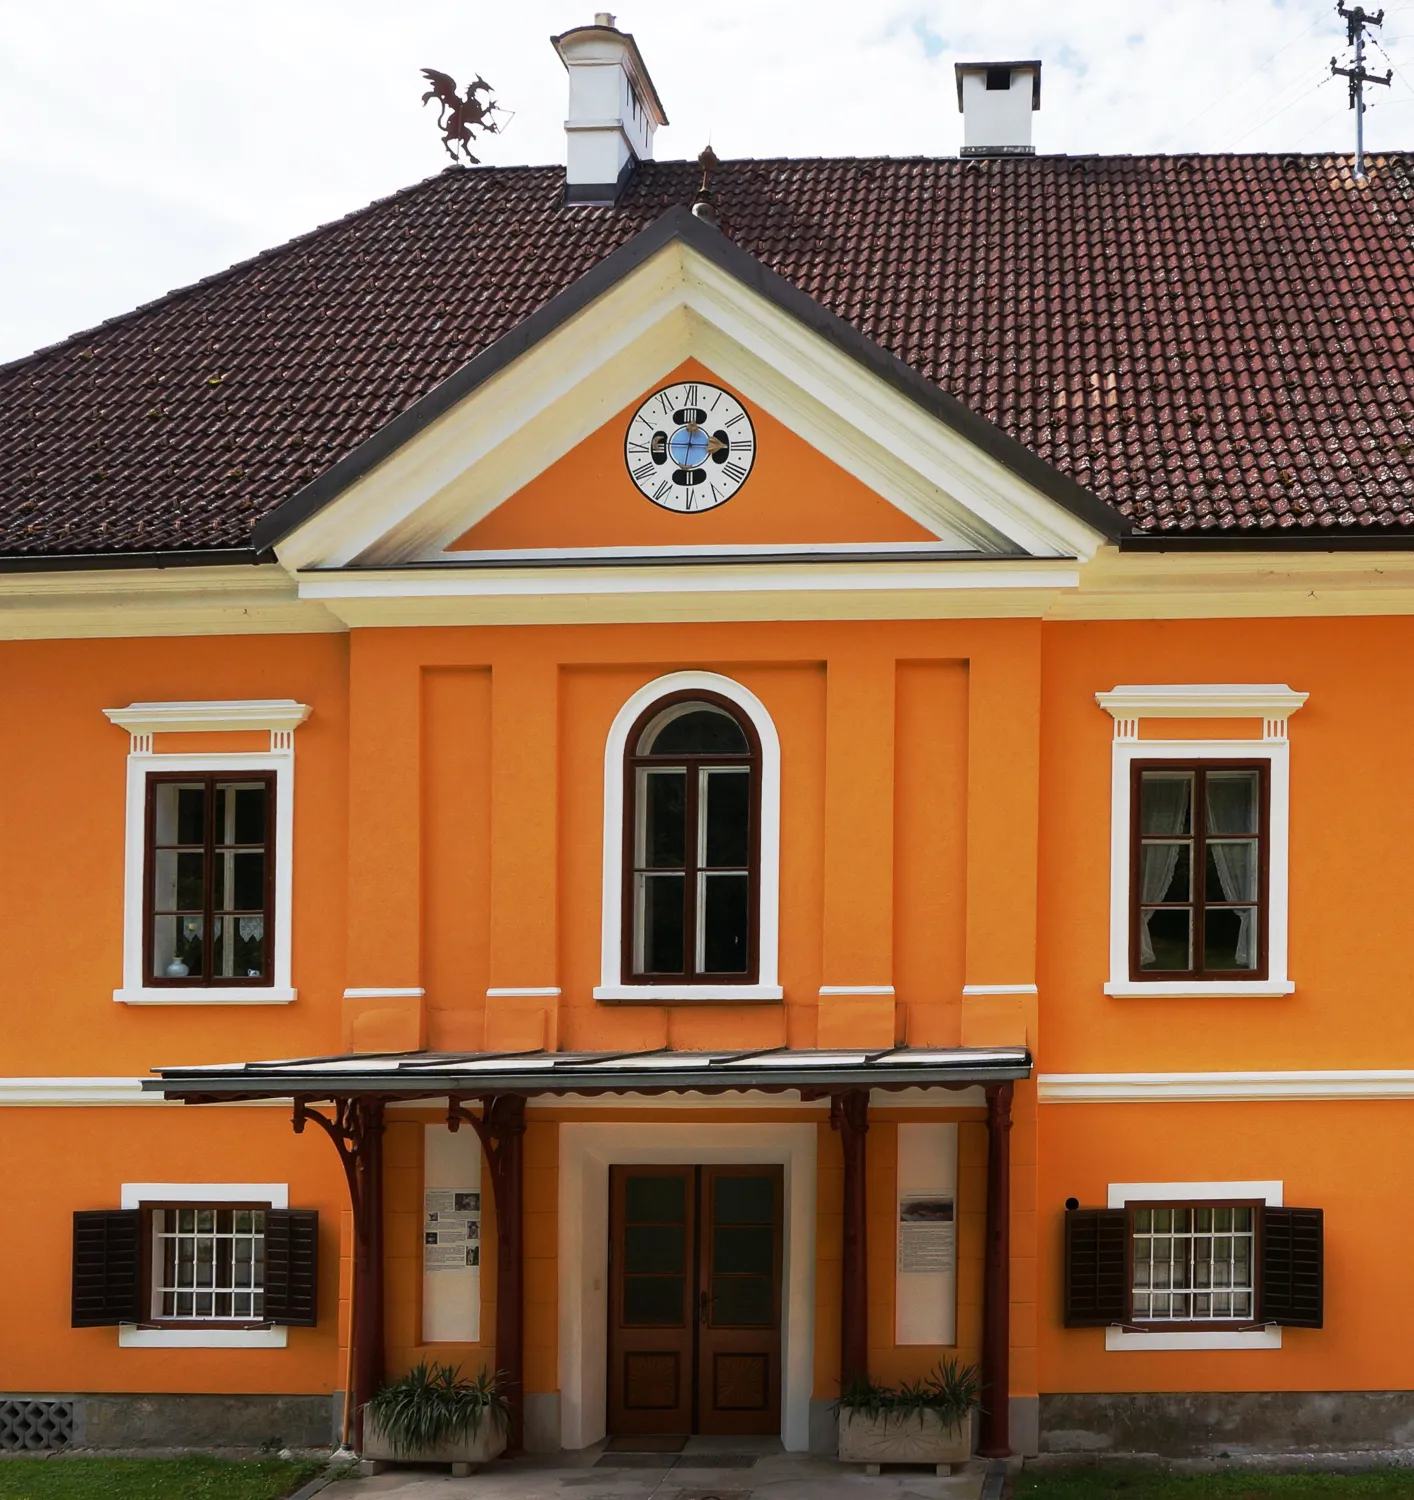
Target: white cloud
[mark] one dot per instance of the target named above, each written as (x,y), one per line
(146,144)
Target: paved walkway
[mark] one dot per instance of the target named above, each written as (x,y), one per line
(691,1475)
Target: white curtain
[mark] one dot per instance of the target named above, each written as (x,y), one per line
(1165,812)
(1231,809)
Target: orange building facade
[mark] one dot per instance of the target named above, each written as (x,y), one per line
(870,919)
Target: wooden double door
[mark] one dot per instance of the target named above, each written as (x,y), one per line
(695,1299)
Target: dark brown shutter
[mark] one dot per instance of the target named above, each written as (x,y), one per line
(1293,1267)
(107,1267)
(1095,1291)
(292,1266)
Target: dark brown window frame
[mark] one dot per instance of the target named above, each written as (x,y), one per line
(1212,1325)
(154,1319)
(632,762)
(1199,905)
(206,980)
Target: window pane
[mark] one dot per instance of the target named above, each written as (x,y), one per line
(1233,803)
(1166,802)
(1230,937)
(240,881)
(694,729)
(660,924)
(654,1301)
(1232,870)
(1166,940)
(176,947)
(180,811)
(723,928)
(1205,1274)
(742,1302)
(662,831)
(655,1200)
(240,813)
(239,946)
(177,880)
(744,1200)
(726,817)
(653,1247)
(743,1249)
(1165,872)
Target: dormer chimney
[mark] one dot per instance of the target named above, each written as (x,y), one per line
(997,100)
(613,113)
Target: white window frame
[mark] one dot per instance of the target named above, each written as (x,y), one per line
(767,985)
(280,717)
(137,1195)
(1121,1194)
(1273,704)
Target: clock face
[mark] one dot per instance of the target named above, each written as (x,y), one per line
(690,447)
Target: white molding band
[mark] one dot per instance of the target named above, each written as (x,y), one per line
(767,986)
(1121,1340)
(278,715)
(999,989)
(856,989)
(549,991)
(1171,1088)
(1273,703)
(280,990)
(1277,753)
(380,993)
(45,1092)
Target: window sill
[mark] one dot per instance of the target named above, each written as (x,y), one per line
(1122,1339)
(1199,989)
(669,994)
(136,1336)
(234,994)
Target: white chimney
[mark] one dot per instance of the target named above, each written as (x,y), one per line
(614,110)
(996,100)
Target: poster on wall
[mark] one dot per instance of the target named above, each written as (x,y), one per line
(927,1233)
(451,1229)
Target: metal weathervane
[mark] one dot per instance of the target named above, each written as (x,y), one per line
(459,118)
(1356,20)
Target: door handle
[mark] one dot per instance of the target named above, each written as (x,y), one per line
(704,1302)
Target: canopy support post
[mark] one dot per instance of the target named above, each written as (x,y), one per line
(357,1133)
(849,1114)
(501,1129)
(995,1437)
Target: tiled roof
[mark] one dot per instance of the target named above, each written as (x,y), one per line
(1212,345)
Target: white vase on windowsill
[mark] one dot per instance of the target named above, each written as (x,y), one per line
(176,969)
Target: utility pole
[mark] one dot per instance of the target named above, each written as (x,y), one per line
(1356,20)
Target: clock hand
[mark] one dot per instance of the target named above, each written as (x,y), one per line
(716,445)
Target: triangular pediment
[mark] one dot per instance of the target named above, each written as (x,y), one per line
(523,452)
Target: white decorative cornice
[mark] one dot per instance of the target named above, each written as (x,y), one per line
(1169,1088)
(1271,702)
(278,715)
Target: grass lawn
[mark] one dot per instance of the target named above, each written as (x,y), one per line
(190,1478)
(1104,1483)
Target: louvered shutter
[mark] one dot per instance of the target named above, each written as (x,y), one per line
(107,1267)
(1293,1267)
(292,1266)
(1096,1294)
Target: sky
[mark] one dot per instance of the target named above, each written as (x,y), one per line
(147,143)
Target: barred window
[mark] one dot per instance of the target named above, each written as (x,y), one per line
(208,1264)
(1193,1263)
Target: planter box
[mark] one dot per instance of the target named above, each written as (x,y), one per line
(922,1438)
(465,1456)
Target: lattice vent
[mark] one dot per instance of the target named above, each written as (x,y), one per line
(35,1426)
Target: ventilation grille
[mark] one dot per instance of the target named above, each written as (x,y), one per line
(35,1426)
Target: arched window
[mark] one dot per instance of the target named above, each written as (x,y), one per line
(692,843)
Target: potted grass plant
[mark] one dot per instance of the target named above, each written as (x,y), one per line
(926,1421)
(435,1415)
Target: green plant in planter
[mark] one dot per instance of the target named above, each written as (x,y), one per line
(436,1404)
(952,1390)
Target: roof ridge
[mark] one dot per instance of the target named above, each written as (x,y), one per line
(272,252)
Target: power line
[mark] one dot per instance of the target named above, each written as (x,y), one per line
(1251,73)
(1356,21)
(1300,99)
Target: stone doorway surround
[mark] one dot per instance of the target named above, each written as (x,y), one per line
(587,1151)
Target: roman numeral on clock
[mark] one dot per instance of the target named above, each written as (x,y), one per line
(734,472)
(662,489)
(644,471)
(691,398)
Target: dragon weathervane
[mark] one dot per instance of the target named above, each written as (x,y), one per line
(458,118)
